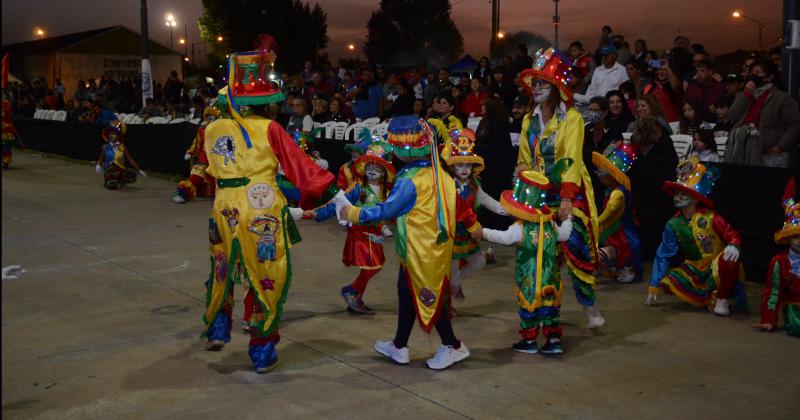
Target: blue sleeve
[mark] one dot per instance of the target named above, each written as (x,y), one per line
(401,200)
(329,210)
(667,250)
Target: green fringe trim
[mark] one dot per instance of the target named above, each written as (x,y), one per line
(291,227)
(413,153)
(232,182)
(254,100)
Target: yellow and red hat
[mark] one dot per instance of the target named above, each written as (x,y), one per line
(462,150)
(791,226)
(378,152)
(695,180)
(552,66)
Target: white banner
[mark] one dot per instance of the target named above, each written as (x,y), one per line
(147,81)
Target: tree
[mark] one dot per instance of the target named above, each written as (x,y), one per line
(413,32)
(300,30)
(508,46)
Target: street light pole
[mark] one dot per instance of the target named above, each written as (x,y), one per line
(760,24)
(556,21)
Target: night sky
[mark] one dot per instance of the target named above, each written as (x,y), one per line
(708,22)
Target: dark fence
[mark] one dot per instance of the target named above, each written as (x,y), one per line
(748,197)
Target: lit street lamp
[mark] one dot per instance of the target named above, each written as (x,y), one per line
(170,24)
(351,47)
(39,32)
(220,38)
(760,24)
(501,35)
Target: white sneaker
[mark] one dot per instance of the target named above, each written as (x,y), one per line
(626,275)
(388,349)
(722,307)
(386,231)
(178,199)
(446,356)
(593,317)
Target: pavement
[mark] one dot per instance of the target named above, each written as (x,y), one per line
(105,323)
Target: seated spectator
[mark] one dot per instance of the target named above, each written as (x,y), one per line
(404,104)
(768,122)
(464,83)
(639,50)
(300,120)
(704,88)
(151,109)
(102,115)
(458,100)
(619,117)
(419,108)
(473,102)
(582,63)
(651,140)
(81,93)
(340,112)
(606,77)
(367,97)
(521,106)
(647,107)
(733,84)
(629,91)
(347,83)
(666,88)
(704,146)
(483,71)
(693,116)
(321,113)
(415,81)
(594,132)
(722,110)
(636,70)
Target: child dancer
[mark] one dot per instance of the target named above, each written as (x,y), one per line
(538,281)
(199,182)
(619,241)
(465,166)
(364,245)
(10,135)
(113,156)
(347,177)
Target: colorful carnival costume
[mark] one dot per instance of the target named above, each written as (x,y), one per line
(364,245)
(293,194)
(711,273)
(423,199)
(114,157)
(251,229)
(199,184)
(347,177)
(619,239)
(782,287)
(538,281)
(10,136)
(549,149)
(465,166)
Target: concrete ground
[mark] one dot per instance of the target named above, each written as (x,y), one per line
(105,323)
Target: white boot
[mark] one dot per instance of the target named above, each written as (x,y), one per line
(626,275)
(388,349)
(176,198)
(447,356)
(722,307)
(593,317)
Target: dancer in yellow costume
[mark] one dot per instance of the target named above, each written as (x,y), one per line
(251,228)
(551,142)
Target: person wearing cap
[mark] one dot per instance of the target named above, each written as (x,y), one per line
(620,247)
(538,279)
(363,247)
(251,229)
(114,157)
(606,77)
(711,274)
(424,202)
(782,287)
(733,84)
(551,143)
(199,183)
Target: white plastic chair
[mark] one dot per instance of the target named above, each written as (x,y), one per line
(380,129)
(195,121)
(177,120)
(681,142)
(349,133)
(156,120)
(627,136)
(60,115)
(328,129)
(136,120)
(49,114)
(474,122)
(675,126)
(722,145)
(371,122)
(339,130)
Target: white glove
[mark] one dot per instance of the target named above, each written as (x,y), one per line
(187,156)
(12,272)
(344,223)
(141,172)
(651,298)
(297,213)
(340,200)
(730,253)
(565,230)
(98,169)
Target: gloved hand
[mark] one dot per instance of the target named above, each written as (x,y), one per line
(187,156)
(730,253)
(12,272)
(340,201)
(142,173)
(651,298)
(297,213)
(98,169)
(565,230)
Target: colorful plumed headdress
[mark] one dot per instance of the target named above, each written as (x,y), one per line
(695,180)
(462,150)
(380,153)
(553,67)
(410,137)
(360,146)
(791,226)
(616,163)
(115,127)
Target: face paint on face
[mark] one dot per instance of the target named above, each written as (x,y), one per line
(794,243)
(374,172)
(683,200)
(542,92)
(462,171)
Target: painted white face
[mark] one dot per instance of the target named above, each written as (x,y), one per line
(373,171)
(462,171)
(542,92)
(794,243)
(683,200)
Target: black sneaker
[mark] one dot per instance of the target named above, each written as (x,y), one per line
(553,346)
(525,346)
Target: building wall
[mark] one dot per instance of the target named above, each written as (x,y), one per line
(39,65)
(74,67)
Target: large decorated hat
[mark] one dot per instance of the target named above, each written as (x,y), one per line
(791,226)
(410,137)
(616,163)
(363,141)
(462,150)
(553,67)
(527,200)
(115,127)
(695,180)
(249,81)
(379,152)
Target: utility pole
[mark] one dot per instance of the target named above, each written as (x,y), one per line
(556,22)
(495,28)
(790,58)
(147,79)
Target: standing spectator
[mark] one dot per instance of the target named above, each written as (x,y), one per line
(484,71)
(317,86)
(681,58)
(368,96)
(522,61)
(519,109)
(502,88)
(443,85)
(768,122)
(415,81)
(623,51)
(430,88)
(705,88)
(639,49)
(474,101)
(334,80)
(508,66)
(605,39)
(173,87)
(93,90)
(606,77)
(582,63)
(493,144)
(300,120)
(308,71)
(390,92)
(733,84)
(404,104)
(666,88)
(59,90)
(722,111)
(636,70)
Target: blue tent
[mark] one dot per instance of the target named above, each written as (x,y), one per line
(465,65)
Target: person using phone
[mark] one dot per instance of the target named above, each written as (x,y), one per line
(666,87)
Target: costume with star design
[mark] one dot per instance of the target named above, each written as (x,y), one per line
(200,183)
(782,286)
